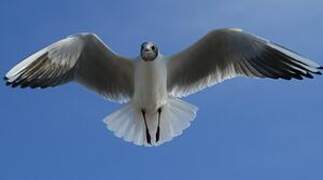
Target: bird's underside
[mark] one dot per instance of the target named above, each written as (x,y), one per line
(220,55)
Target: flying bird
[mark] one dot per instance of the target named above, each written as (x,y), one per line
(151,84)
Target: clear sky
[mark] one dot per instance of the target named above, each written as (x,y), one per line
(245,128)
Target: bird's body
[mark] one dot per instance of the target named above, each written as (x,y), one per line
(151,84)
(152,106)
(150,92)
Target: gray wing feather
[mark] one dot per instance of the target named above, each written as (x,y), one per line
(83,58)
(228,53)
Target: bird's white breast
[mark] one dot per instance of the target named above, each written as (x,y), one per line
(150,84)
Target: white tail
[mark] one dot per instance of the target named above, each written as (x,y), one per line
(128,122)
(176,116)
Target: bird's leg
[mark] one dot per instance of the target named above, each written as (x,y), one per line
(158,128)
(148,138)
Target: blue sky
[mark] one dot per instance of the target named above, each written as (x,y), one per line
(245,128)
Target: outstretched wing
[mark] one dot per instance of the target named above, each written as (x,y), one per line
(83,58)
(227,53)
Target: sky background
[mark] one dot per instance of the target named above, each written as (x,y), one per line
(245,128)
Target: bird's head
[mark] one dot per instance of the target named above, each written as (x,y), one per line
(149,51)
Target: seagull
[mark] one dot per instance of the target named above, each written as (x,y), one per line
(150,86)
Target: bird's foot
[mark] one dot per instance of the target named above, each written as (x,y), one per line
(148,137)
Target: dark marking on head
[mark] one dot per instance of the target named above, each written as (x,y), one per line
(149,51)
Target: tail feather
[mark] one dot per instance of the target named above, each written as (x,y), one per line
(177,116)
(128,122)
(139,138)
(125,123)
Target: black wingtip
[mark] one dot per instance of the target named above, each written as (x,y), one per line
(6,80)
(8,84)
(14,85)
(308,75)
(320,68)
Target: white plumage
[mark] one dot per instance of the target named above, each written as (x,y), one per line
(151,84)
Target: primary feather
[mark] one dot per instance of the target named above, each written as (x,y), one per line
(228,53)
(83,58)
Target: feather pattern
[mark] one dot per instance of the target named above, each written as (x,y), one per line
(228,53)
(83,58)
